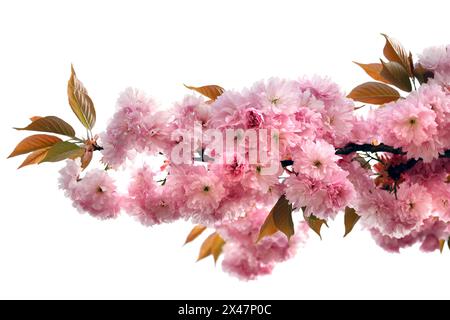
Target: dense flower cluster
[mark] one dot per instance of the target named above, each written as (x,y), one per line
(402,196)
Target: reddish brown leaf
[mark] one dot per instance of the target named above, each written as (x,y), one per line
(33,143)
(34,158)
(315,223)
(268,228)
(396,75)
(279,219)
(216,249)
(211,246)
(441,245)
(350,219)
(35,118)
(422,74)
(394,51)
(50,124)
(374,93)
(373,70)
(86,158)
(195,232)
(282,216)
(210,91)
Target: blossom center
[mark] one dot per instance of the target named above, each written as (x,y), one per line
(317,163)
(206,188)
(412,121)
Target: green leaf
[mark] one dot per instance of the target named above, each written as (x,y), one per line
(396,75)
(80,102)
(315,223)
(374,93)
(279,219)
(210,91)
(63,150)
(350,219)
(50,124)
(33,143)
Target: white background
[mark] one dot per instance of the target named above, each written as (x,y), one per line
(49,250)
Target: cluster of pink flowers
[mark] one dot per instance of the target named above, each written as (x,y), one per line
(95,193)
(247,258)
(419,124)
(403,197)
(138,125)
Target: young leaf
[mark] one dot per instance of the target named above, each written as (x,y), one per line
(80,102)
(35,157)
(374,93)
(422,74)
(350,219)
(63,150)
(268,228)
(373,70)
(315,223)
(34,118)
(396,75)
(282,216)
(50,124)
(394,51)
(33,143)
(211,246)
(441,245)
(195,232)
(86,158)
(217,247)
(279,219)
(210,91)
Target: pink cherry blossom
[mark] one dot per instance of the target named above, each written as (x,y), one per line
(94,193)
(316,159)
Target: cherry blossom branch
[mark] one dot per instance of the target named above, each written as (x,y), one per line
(394,171)
(353,147)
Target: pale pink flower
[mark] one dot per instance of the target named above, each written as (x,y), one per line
(410,125)
(435,58)
(321,88)
(277,95)
(136,125)
(146,200)
(393,217)
(316,159)
(94,193)
(323,198)
(253,118)
(196,191)
(246,258)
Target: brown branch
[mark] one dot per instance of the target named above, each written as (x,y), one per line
(353,147)
(395,171)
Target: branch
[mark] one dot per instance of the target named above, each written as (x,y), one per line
(353,147)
